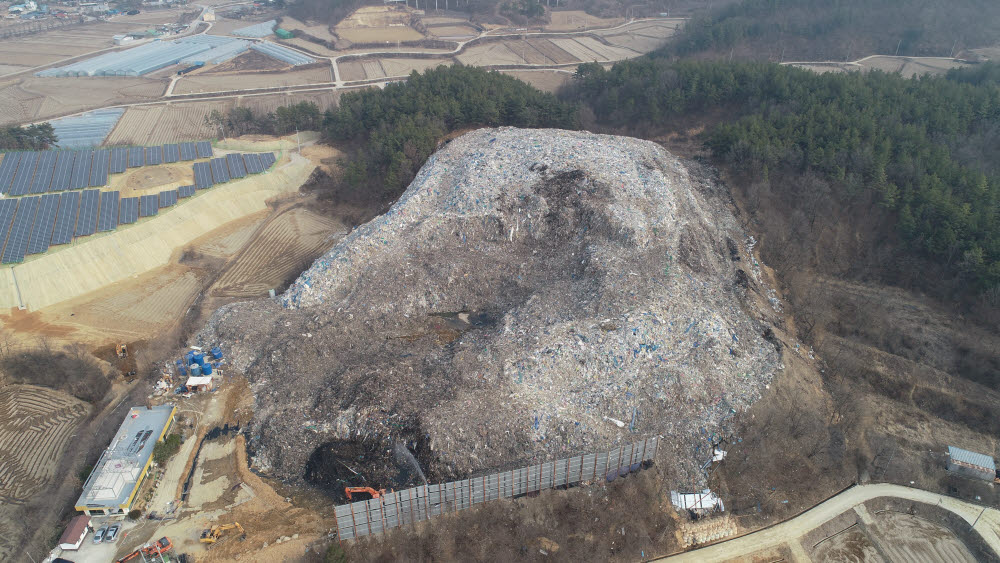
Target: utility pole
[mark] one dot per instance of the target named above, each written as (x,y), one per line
(297,140)
(952,53)
(897,48)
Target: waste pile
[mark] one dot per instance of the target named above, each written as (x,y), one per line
(532,293)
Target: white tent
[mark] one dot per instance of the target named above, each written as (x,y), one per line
(203,382)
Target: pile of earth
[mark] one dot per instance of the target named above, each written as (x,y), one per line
(533,294)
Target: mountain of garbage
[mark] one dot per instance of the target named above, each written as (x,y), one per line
(532,295)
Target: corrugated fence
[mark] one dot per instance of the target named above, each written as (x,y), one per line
(420,503)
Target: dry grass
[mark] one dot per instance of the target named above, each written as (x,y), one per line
(573,20)
(223,83)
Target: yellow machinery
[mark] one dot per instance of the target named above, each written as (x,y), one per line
(213,534)
(121,350)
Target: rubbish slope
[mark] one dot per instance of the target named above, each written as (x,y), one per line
(533,293)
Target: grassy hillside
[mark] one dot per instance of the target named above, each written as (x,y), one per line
(839,29)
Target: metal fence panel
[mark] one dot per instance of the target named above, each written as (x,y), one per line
(412,505)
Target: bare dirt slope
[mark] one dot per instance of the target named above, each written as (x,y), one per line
(533,292)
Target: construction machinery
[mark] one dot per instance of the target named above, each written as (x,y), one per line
(213,534)
(121,350)
(158,547)
(369,490)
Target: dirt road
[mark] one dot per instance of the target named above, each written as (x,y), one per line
(986,520)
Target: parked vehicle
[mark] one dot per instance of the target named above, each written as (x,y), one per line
(112,534)
(99,534)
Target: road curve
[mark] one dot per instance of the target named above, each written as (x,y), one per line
(986,520)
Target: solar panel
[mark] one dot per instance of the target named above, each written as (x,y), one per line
(25,172)
(7,209)
(136,157)
(107,219)
(41,232)
(266,159)
(148,205)
(171,153)
(69,203)
(128,210)
(220,172)
(119,160)
(255,161)
(43,172)
(99,169)
(63,171)
(154,155)
(20,231)
(204,149)
(81,170)
(169,197)
(8,166)
(188,151)
(235,163)
(203,175)
(86,222)
(185,191)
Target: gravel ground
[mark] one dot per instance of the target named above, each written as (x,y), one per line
(533,293)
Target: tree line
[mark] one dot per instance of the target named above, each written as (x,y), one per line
(28,138)
(238,121)
(391,132)
(882,135)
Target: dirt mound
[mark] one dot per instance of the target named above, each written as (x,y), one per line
(533,292)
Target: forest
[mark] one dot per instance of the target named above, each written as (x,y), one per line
(914,146)
(809,30)
(29,138)
(393,131)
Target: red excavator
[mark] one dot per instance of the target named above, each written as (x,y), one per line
(369,490)
(162,545)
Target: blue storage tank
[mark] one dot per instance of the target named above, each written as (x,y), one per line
(189,357)
(217,353)
(206,369)
(195,370)
(183,370)
(199,358)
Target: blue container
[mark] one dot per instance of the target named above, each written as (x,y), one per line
(189,357)
(183,370)
(206,369)
(195,370)
(199,358)
(217,353)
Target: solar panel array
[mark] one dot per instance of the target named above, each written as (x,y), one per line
(128,210)
(188,151)
(31,224)
(41,231)
(25,171)
(20,231)
(154,155)
(43,172)
(148,205)
(235,163)
(171,153)
(99,168)
(107,219)
(119,160)
(86,221)
(220,172)
(69,203)
(204,149)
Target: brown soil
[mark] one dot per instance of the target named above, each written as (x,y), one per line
(249,61)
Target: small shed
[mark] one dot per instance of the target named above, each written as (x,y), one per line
(699,503)
(971,464)
(75,532)
(199,384)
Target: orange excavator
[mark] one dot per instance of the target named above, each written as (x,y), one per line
(161,546)
(369,490)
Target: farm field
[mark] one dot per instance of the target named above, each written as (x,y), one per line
(544,80)
(218,83)
(36,423)
(574,20)
(450,31)
(377,24)
(164,123)
(72,41)
(905,66)
(268,103)
(317,31)
(225,26)
(34,99)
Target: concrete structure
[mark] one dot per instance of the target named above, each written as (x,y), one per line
(75,532)
(121,39)
(700,503)
(119,473)
(971,464)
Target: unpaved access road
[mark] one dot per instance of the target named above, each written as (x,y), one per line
(986,522)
